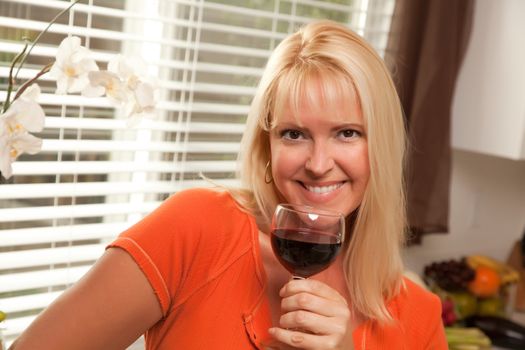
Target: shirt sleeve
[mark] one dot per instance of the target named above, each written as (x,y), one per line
(149,242)
(184,243)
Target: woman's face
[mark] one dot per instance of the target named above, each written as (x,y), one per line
(319,159)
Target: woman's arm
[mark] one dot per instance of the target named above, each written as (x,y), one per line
(109,308)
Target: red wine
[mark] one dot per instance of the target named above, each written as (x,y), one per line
(304,252)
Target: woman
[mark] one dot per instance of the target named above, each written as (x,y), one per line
(325,129)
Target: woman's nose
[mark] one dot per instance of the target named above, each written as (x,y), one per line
(320,161)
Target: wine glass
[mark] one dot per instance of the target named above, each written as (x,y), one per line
(306,240)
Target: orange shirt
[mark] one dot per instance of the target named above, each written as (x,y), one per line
(200,253)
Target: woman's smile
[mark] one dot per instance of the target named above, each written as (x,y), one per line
(322,189)
(323,193)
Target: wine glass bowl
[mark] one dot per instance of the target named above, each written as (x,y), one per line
(306,240)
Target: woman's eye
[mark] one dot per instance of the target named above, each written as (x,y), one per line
(291,134)
(349,133)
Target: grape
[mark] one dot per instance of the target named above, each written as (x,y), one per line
(451,275)
(448,315)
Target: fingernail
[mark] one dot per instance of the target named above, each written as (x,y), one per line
(281,291)
(297,338)
(271,331)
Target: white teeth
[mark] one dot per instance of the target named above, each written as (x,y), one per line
(323,189)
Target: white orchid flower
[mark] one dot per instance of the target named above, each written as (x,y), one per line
(130,69)
(12,147)
(108,83)
(72,65)
(5,155)
(141,105)
(140,88)
(143,99)
(23,116)
(126,84)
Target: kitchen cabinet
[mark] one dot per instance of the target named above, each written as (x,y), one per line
(488,111)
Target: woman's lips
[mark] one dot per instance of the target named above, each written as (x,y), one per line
(321,192)
(323,189)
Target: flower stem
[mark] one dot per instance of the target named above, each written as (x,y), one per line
(22,57)
(11,80)
(42,33)
(22,88)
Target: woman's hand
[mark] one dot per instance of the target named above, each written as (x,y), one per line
(314,316)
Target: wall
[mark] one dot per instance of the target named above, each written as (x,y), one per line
(487,211)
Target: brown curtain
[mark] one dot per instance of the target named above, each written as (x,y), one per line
(427,41)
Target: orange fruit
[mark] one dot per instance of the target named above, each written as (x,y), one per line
(486,282)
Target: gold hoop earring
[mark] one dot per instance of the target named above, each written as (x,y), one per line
(268,179)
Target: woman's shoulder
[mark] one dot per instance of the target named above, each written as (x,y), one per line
(418,311)
(415,300)
(199,196)
(417,320)
(202,201)
(190,212)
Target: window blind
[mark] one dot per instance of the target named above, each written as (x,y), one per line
(96,175)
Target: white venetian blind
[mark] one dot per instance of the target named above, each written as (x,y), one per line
(95,175)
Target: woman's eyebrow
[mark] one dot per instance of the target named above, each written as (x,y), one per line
(348,125)
(290,124)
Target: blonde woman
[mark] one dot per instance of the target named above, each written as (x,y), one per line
(326,130)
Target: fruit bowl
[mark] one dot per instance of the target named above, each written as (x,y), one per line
(472,285)
(474,289)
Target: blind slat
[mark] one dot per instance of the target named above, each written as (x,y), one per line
(103,167)
(25,302)
(20,191)
(149,124)
(42,278)
(108,146)
(16,326)
(73,211)
(84,189)
(41,257)
(245,11)
(217,89)
(203,107)
(38,235)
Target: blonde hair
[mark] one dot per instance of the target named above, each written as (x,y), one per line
(345,64)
